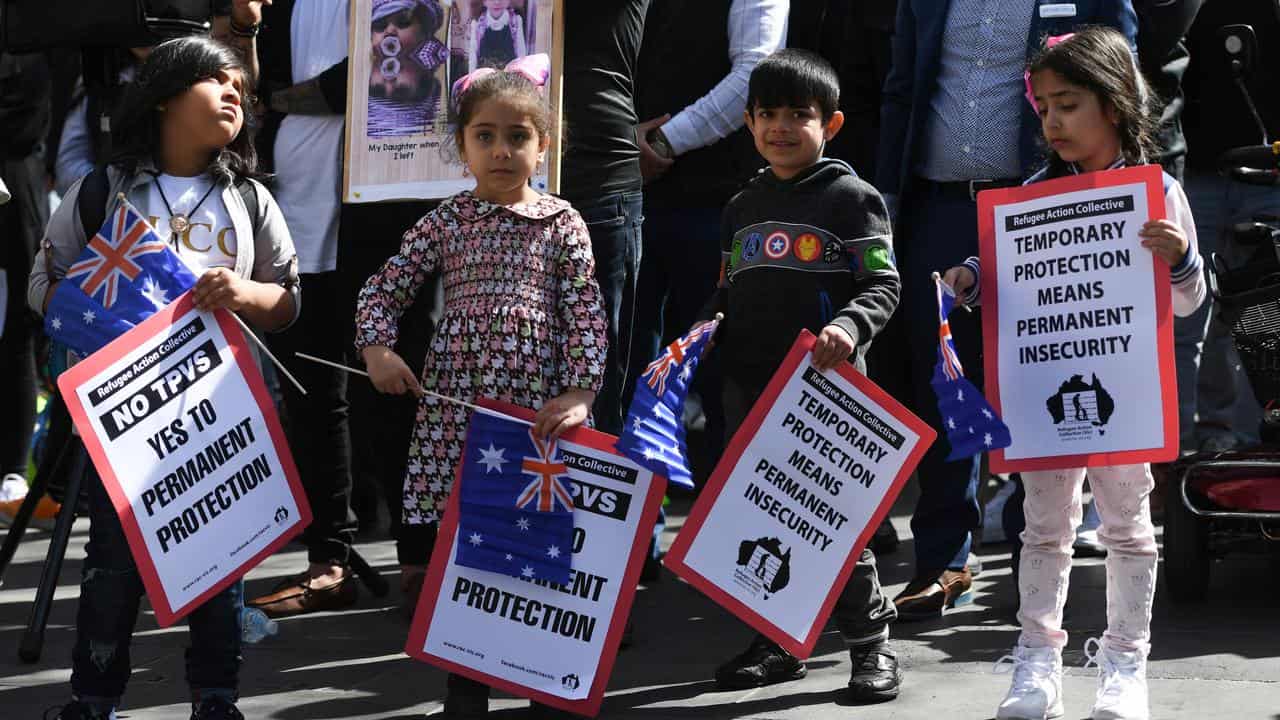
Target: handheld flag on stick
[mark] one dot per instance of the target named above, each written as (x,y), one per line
(125,274)
(517,509)
(971,424)
(653,435)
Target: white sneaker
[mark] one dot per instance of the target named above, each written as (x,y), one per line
(1122,682)
(1036,690)
(993,514)
(13,487)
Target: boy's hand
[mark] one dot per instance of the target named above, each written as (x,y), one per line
(961,279)
(389,372)
(833,347)
(563,412)
(222,288)
(1166,240)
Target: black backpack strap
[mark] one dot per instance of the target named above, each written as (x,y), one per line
(91,203)
(249,193)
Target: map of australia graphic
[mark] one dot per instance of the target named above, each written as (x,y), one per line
(1078,402)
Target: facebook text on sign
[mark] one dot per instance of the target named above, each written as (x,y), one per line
(1078,322)
(805,481)
(516,629)
(179,425)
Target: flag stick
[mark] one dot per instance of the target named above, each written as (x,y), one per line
(446,398)
(262,346)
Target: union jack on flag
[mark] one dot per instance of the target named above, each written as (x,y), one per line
(546,488)
(123,276)
(971,424)
(653,435)
(509,524)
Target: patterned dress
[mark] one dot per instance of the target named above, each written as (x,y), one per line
(522,323)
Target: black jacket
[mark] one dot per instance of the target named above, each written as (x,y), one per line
(801,254)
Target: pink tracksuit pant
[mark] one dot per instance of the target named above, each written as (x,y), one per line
(1053,511)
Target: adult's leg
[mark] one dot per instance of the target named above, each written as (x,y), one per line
(935,233)
(1207,195)
(1053,511)
(110,592)
(615,223)
(17,377)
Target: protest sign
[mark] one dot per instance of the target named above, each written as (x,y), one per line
(401,115)
(798,493)
(180,427)
(1078,322)
(550,643)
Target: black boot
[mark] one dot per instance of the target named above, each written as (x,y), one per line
(876,677)
(763,663)
(215,708)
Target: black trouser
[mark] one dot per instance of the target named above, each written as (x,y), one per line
(862,612)
(381,425)
(22,221)
(317,422)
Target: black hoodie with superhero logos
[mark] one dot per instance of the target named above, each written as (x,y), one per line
(802,253)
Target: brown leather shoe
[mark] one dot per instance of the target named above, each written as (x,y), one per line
(927,598)
(292,596)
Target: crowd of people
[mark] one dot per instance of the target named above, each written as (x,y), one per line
(691,124)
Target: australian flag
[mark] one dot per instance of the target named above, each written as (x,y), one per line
(125,274)
(971,424)
(653,436)
(517,508)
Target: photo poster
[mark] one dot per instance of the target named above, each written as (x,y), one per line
(404,58)
(803,485)
(1078,322)
(552,644)
(180,427)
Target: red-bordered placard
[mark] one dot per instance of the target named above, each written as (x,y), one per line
(792,369)
(988,203)
(115,475)
(442,559)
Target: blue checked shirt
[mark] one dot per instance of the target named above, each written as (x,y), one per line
(972,129)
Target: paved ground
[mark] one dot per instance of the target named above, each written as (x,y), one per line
(1219,660)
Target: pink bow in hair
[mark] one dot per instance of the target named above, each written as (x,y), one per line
(536,68)
(1026,75)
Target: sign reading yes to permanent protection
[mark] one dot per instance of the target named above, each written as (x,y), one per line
(181,429)
(553,644)
(798,493)
(1078,322)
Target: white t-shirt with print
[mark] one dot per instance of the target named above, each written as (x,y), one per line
(210,241)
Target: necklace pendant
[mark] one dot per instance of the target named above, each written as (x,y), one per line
(179,223)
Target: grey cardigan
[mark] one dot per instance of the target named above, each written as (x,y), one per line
(270,258)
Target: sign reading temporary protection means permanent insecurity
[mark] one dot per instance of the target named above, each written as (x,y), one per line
(802,486)
(550,643)
(1077,322)
(181,429)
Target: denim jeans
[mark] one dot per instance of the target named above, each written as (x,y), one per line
(615,222)
(1213,393)
(110,593)
(935,232)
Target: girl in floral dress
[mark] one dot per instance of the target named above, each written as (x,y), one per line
(523,321)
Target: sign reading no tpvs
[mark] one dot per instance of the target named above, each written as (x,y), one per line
(180,428)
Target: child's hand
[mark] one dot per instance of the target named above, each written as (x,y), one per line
(960,279)
(834,346)
(389,372)
(222,288)
(1166,240)
(565,411)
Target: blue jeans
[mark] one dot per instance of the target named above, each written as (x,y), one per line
(678,273)
(935,232)
(110,592)
(614,222)
(1213,393)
